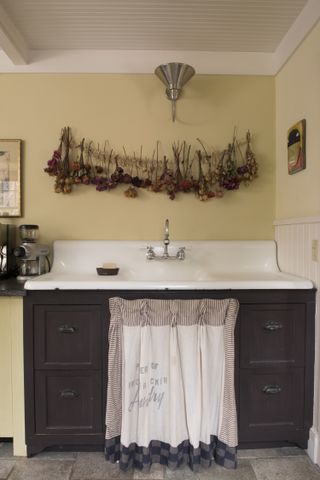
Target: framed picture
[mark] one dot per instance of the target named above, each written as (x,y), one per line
(10,178)
(297,147)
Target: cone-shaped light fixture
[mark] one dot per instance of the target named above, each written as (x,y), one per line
(174,76)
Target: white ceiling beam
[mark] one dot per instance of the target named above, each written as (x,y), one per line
(141,61)
(11,40)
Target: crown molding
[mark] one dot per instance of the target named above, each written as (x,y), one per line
(303,25)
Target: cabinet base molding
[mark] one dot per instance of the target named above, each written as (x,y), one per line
(63,443)
(313,449)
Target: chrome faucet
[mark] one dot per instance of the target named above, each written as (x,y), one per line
(166,240)
(152,255)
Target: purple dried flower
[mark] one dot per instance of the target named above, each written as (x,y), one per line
(136,182)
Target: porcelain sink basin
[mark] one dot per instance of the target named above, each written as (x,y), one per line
(209,265)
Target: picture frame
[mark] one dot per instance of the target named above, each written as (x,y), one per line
(297,147)
(10,178)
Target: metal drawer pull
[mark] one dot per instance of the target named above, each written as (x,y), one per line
(271,389)
(67,329)
(272,325)
(69,393)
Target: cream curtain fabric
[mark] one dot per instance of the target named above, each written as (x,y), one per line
(171,374)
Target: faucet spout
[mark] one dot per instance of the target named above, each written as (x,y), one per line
(151,253)
(166,240)
(166,230)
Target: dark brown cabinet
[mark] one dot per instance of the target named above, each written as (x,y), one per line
(68,402)
(273,335)
(65,335)
(273,376)
(271,403)
(65,366)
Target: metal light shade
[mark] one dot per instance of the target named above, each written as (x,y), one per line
(174,76)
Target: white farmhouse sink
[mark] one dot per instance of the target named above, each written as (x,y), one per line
(209,265)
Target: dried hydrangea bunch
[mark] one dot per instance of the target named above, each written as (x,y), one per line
(189,169)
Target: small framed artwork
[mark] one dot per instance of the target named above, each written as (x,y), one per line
(10,178)
(297,147)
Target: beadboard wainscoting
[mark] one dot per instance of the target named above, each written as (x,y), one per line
(298,243)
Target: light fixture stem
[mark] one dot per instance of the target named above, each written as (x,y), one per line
(173,103)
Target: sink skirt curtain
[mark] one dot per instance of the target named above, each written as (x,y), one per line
(170,395)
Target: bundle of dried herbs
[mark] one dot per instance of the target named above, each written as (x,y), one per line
(206,174)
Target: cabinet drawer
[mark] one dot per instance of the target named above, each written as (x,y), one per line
(68,402)
(271,404)
(272,335)
(67,336)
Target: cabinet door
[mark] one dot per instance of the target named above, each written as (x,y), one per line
(272,335)
(67,336)
(68,402)
(271,404)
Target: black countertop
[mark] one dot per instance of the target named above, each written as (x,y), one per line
(11,287)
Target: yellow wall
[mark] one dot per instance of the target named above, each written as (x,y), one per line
(11,373)
(297,97)
(132,110)
(6,416)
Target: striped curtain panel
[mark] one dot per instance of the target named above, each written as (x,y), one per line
(170,394)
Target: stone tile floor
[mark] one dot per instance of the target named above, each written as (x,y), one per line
(287,463)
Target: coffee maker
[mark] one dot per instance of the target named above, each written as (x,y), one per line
(8,264)
(33,257)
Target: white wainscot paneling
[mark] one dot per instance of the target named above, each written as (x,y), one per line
(294,239)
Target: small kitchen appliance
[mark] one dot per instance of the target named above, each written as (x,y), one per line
(8,264)
(33,257)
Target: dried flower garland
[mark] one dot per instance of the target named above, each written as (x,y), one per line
(205,174)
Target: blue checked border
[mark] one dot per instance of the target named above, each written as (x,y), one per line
(142,458)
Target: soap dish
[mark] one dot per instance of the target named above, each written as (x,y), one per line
(107,271)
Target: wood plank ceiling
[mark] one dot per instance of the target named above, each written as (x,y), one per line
(193,25)
(254,37)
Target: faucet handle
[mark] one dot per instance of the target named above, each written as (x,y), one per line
(150,253)
(181,253)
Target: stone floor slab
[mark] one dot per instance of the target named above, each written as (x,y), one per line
(215,472)
(286,468)
(6,450)
(291,451)
(5,468)
(270,452)
(94,466)
(30,469)
(156,472)
(258,453)
(46,455)
(286,463)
